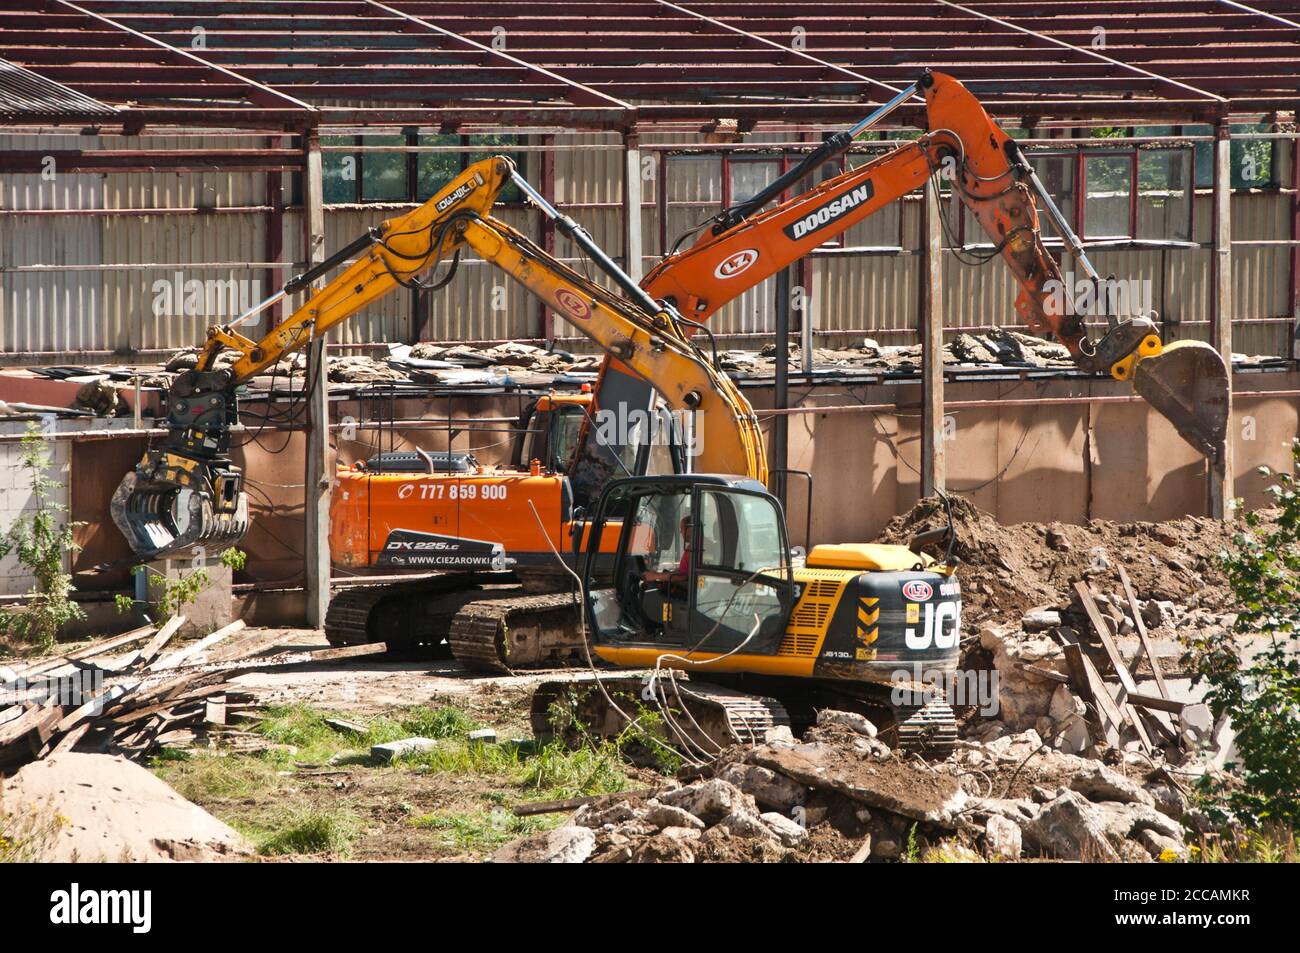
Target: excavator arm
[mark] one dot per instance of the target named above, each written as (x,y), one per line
(1186,382)
(188,492)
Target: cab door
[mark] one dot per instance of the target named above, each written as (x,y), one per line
(741,589)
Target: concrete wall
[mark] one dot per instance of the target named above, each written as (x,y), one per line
(1020,461)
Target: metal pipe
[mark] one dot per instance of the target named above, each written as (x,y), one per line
(831,147)
(1058,219)
(257,309)
(579,236)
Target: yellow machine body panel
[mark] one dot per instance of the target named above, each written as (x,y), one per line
(865,557)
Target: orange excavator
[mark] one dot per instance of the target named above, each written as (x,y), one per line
(444,512)
(1186,382)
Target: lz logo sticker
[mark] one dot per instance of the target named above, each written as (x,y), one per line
(737,264)
(918,590)
(572,304)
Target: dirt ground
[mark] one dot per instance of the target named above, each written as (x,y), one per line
(298,788)
(454,805)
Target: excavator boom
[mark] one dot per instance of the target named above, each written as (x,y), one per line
(188,492)
(1187,383)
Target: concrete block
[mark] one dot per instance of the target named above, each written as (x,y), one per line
(211,609)
(401,749)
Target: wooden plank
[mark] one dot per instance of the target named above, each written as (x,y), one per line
(1050,674)
(156,644)
(163,706)
(175,659)
(69,741)
(1103,717)
(94,707)
(530,808)
(338,724)
(245,648)
(313,658)
(89,651)
(44,727)
(1141,627)
(1156,703)
(1116,660)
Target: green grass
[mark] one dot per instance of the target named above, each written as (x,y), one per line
(482,831)
(215,776)
(313,832)
(244,786)
(1274,845)
(556,772)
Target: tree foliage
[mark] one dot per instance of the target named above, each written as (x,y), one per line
(39,540)
(1253,671)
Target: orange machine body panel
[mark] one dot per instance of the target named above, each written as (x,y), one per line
(488,519)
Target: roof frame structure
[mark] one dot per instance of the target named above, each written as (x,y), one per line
(641,64)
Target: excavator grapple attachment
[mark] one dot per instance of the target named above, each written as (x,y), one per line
(168,505)
(1187,382)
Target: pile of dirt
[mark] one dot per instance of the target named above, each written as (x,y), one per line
(1008,569)
(98,807)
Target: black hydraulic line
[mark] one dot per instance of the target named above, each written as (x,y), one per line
(578,235)
(831,147)
(298,282)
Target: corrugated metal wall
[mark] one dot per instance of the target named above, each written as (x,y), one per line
(868,293)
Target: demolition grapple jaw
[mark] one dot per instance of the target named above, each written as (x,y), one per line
(170,505)
(186,493)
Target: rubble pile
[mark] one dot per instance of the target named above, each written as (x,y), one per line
(431,363)
(1008,570)
(994,348)
(842,795)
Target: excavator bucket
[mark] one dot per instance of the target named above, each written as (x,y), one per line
(163,512)
(1187,382)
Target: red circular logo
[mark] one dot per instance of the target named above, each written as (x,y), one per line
(736,264)
(917,590)
(572,304)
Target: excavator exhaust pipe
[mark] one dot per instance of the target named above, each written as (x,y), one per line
(1187,382)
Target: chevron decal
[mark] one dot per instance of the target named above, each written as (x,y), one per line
(868,619)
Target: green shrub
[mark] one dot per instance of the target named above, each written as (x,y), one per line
(1260,693)
(39,541)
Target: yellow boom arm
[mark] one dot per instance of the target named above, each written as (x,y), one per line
(188,491)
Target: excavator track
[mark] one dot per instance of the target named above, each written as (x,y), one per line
(920,723)
(929,729)
(707,716)
(487,621)
(695,716)
(503,634)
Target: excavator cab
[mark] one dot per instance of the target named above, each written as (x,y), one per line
(703,564)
